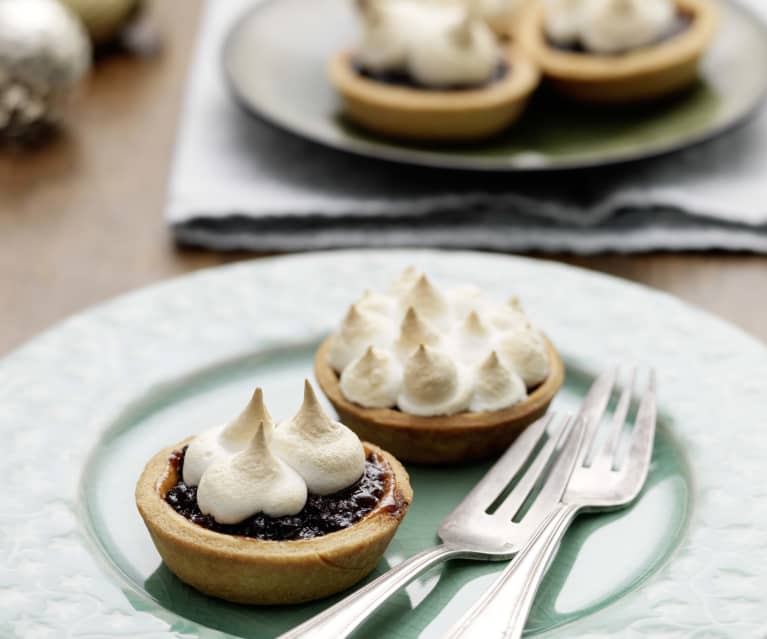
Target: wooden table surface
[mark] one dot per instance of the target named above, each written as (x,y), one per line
(81,218)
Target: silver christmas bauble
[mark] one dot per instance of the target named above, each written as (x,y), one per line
(44,54)
(103,18)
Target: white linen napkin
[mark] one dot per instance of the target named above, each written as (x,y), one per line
(237,183)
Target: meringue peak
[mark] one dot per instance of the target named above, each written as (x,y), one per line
(353,318)
(496,386)
(462,32)
(427,299)
(325,453)
(258,447)
(224,441)
(413,327)
(372,380)
(252,481)
(431,384)
(414,332)
(371,358)
(474,326)
(525,351)
(255,412)
(491,363)
(359,329)
(421,356)
(404,281)
(311,418)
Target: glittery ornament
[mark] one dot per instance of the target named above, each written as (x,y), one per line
(44,54)
(104,19)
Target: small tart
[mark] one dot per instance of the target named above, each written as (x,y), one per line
(254,571)
(431,114)
(455,439)
(644,74)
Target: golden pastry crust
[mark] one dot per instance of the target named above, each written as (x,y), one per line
(456,439)
(641,75)
(254,571)
(435,115)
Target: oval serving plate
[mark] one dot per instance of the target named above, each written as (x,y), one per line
(86,404)
(275,58)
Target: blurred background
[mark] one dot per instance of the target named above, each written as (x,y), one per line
(154,170)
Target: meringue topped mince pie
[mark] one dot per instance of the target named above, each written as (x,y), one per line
(431,70)
(618,50)
(437,376)
(259,513)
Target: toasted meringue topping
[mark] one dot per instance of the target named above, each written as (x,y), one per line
(405,281)
(500,14)
(384,44)
(252,481)
(496,386)
(324,452)
(437,44)
(414,332)
(373,380)
(429,302)
(622,25)
(609,26)
(465,52)
(223,441)
(358,330)
(474,327)
(566,19)
(525,352)
(432,384)
(461,324)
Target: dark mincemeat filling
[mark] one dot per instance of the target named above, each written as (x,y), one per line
(399,78)
(682,22)
(321,514)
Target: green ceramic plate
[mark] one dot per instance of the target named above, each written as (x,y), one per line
(275,60)
(84,406)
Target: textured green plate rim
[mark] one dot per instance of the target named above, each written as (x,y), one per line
(60,392)
(287,87)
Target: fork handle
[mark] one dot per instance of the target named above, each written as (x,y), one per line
(341,619)
(502,612)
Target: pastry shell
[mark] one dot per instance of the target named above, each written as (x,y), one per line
(253,571)
(454,439)
(435,115)
(641,75)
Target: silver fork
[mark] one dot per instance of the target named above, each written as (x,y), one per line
(597,483)
(470,531)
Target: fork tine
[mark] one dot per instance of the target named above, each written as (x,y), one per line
(593,408)
(510,463)
(527,482)
(570,451)
(606,457)
(637,464)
